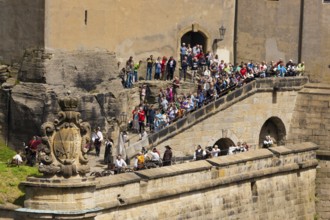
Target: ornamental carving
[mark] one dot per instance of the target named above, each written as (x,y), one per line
(65,142)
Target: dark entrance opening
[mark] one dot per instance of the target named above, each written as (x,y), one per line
(274,127)
(224,144)
(194,38)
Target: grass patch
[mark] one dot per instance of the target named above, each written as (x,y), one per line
(10,177)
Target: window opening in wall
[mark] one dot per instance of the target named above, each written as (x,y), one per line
(86,17)
(326,1)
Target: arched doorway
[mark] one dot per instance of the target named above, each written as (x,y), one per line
(194,38)
(224,144)
(274,127)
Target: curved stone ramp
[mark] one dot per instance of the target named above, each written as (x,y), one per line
(222,103)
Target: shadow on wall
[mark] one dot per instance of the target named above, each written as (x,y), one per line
(274,127)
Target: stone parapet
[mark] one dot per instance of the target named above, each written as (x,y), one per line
(191,179)
(258,184)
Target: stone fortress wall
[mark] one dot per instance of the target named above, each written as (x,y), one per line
(127,28)
(275,183)
(310,122)
(276,29)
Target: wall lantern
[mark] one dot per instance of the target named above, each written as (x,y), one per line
(222,31)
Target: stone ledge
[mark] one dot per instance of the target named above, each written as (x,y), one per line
(210,183)
(241,157)
(74,214)
(59,183)
(174,170)
(280,150)
(302,147)
(323,153)
(118,180)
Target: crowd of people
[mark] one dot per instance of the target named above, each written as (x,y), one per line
(212,77)
(201,64)
(214,151)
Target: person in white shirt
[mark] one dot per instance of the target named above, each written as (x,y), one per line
(97,139)
(120,164)
(215,151)
(232,150)
(154,155)
(17,159)
(268,142)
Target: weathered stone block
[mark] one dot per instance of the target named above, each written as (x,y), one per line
(209,108)
(199,113)
(219,102)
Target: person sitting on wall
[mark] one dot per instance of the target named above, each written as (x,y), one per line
(199,153)
(268,142)
(240,147)
(120,164)
(246,146)
(139,161)
(215,151)
(232,150)
(155,156)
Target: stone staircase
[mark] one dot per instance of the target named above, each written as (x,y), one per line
(258,85)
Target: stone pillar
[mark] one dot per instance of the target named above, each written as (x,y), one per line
(61,198)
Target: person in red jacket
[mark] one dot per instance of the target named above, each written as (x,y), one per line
(142,117)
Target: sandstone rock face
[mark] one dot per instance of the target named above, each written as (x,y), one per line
(84,70)
(45,76)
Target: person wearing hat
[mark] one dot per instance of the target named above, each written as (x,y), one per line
(167,157)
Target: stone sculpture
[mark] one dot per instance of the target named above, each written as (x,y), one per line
(65,141)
